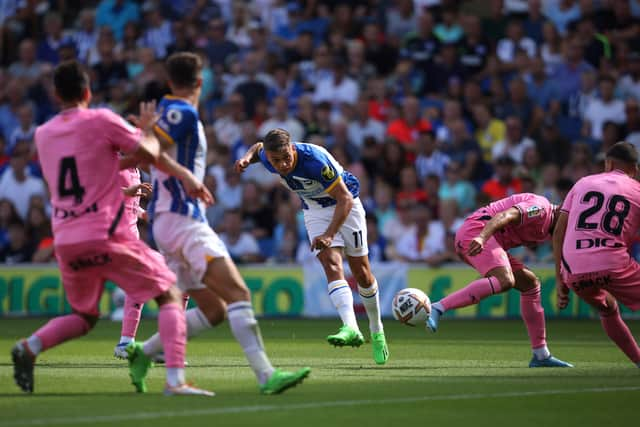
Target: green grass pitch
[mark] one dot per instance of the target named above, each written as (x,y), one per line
(469,373)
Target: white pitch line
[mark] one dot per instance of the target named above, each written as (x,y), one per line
(296,406)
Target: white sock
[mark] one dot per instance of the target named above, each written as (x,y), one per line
(125,340)
(196,323)
(371,301)
(175,377)
(35,345)
(438,307)
(541,353)
(245,328)
(342,299)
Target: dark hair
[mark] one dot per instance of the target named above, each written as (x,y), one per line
(70,81)
(623,152)
(276,140)
(184,69)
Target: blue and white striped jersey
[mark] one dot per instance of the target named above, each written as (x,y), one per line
(179,125)
(315,173)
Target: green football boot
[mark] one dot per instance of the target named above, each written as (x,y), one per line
(380,349)
(281,380)
(139,364)
(346,335)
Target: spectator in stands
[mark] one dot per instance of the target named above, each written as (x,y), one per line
(8,215)
(242,246)
(362,125)
(566,75)
(218,48)
(464,150)
(280,118)
(602,109)
(424,241)
(38,227)
(109,69)
(489,130)
(116,14)
(55,36)
(475,47)
(504,183)
(228,126)
(421,45)
(631,129)
(515,143)
(457,195)
(26,128)
(629,84)
(514,41)
(27,66)
(337,89)
(86,36)
(159,33)
(405,129)
(16,184)
(377,243)
(580,162)
(551,48)
(401,19)
(18,250)
(429,160)
(15,94)
(562,13)
(258,215)
(253,85)
(449,30)
(378,50)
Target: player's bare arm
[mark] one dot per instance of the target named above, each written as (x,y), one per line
(251,156)
(498,222)
(139,190)
(344,204)
(562,291)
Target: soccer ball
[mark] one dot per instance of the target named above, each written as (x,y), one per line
(411,306)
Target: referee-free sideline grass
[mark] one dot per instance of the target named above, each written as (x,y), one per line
(471,373)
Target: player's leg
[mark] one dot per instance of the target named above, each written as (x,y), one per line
(340,294)
(83,288)
(130,321)
(610,319)
(144,275)
(223,278)
(210,311)
(533,315)
(368,290)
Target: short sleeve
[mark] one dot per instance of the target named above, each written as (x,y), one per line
(534,210)
(175,124)
(122,136)
(321,168)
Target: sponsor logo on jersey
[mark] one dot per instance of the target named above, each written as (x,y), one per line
(328,173)
(533,211)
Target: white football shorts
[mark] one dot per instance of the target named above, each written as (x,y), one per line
(188,245)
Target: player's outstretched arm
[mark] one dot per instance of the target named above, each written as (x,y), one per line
(251,156)
(498,222)
(192,186)
(344,204)
(562,291)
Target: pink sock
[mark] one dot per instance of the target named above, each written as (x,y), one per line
(172,327)
(619,333)
(471,294)
(131,318)
(61,329)
(533,316)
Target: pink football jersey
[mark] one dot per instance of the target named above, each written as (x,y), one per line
(534,227)
(128,178)
(78,150)
(604,214)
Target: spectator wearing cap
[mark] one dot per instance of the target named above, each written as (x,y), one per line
(116,14)
(337,89)
(602,109)
(16,184)
(27,66)
(406,128)
(504,183)
(515,142)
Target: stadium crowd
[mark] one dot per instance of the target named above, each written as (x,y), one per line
(437,106)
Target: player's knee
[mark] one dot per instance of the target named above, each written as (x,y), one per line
(215,315)
(170,296)
(90,321)
(607,308)
(506,280)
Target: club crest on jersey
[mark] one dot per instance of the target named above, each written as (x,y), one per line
(174,116)
(328,173)
(533,211)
